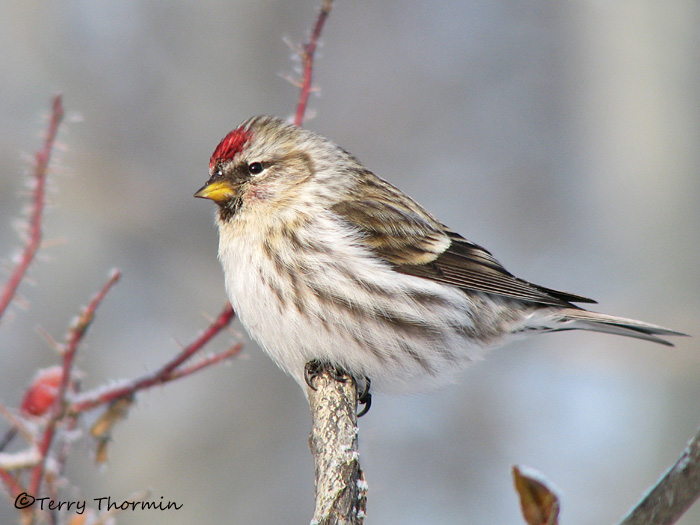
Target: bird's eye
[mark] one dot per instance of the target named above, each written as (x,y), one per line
(255,167)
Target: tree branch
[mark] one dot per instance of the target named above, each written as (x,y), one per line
(169,371)
(340,484)
(675,492)
(33,241)
(307,56)
(75,336)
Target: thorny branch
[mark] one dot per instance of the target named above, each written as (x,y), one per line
(75,336)
(307,56)
(41,165)
(167,372)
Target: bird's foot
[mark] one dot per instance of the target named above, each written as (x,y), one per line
(315,368)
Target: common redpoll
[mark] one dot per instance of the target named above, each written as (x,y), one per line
(325,262)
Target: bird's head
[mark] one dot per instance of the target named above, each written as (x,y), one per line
(265,159)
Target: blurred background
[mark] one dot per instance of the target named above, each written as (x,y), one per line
(562,136)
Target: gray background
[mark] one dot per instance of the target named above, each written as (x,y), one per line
(563,136)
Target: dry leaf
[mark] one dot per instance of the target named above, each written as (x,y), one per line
(102,428)
(540,506)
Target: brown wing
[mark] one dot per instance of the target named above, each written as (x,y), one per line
(400,231)
(470,267)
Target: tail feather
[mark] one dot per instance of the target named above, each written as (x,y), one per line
(579,319)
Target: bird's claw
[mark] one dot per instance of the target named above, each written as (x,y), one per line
(364,397)
(315,368)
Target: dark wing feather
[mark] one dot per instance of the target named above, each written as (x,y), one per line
(470,267)
(401,232)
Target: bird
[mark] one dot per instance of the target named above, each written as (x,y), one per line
(329,266)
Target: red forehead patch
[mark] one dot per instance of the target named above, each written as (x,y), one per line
(229,146)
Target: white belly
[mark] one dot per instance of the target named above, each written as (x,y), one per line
(337,304)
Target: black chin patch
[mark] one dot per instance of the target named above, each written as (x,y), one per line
(228,209)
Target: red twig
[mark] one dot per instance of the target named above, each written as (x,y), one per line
(11,484)
(308,58)
(41,163)
(207,361)
(168,371)
(224,318)
(75,336)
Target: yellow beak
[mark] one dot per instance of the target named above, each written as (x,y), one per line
(218,191)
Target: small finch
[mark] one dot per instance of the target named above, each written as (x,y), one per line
(326,263)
